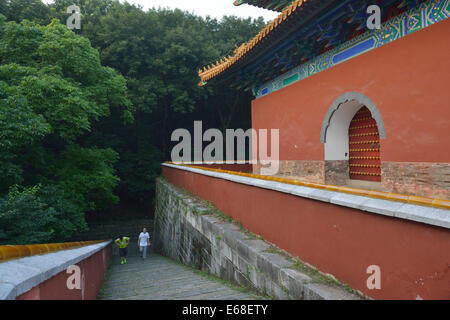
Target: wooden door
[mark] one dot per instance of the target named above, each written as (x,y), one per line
(364,138)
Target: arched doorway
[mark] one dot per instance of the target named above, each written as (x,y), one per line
(364,147)
(351,142)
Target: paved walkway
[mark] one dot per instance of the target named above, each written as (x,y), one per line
(159,278)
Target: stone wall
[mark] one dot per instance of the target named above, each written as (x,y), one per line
(194,233)
(424,179)
(329,172)
(336,172)
(313,171)
(45,276)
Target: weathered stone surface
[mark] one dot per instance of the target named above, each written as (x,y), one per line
(336,172)
(221,249)
(311,170)
(348,200)
(159,278)
(7,291)
(425,179)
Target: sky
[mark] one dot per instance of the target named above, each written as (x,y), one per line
(213,8)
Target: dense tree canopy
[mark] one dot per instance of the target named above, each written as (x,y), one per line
(52,87)
(86,115)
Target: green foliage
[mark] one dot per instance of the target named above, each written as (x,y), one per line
(88,174)
(52,90)
(38,215)
(160,53)
(97,133)
(18,10)
(58,75)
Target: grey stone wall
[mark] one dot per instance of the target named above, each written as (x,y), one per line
(426,179)
(336,172)
(194,233)
(311,170)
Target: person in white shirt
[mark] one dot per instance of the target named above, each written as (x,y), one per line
(143,243)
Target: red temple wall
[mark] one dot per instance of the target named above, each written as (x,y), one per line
(407,80)
(93,270)
(413,257)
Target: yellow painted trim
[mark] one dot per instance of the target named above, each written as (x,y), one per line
(443,204)
(424,201)
(8,252)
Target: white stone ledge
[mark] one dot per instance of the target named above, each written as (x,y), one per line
(417,213)
(21,275)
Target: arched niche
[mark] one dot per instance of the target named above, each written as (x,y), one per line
(335,126)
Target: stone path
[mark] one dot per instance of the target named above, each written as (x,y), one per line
(159,278)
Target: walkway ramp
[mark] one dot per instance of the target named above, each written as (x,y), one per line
(159,278)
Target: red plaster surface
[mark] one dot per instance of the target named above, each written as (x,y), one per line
(406,79)
(93,271)
(414,258)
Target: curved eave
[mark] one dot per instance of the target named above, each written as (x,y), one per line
(212,71)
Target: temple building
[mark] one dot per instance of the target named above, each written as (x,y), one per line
(358,107)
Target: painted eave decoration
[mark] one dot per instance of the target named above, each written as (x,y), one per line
(223,64)
(304,29)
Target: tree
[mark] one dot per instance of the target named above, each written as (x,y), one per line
(18,10)
(52,89)
(159,53)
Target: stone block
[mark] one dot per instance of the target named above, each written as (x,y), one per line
(7,291)
(270,264)
(254,248)
(426,179)
(321,195)
(320,291)
(302,191)
(424,214)
(380,206)
(295,282)
(348,200)
(243,280)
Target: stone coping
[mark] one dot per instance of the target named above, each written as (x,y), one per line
(8,252)
(408,211)
(21,275)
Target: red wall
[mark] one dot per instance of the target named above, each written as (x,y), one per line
(408,80)
(414,258)
(93,270)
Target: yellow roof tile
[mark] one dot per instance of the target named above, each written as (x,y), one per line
(239,52)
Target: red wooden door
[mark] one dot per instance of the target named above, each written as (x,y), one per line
(365,163)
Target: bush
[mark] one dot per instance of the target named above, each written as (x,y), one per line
(38,214)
